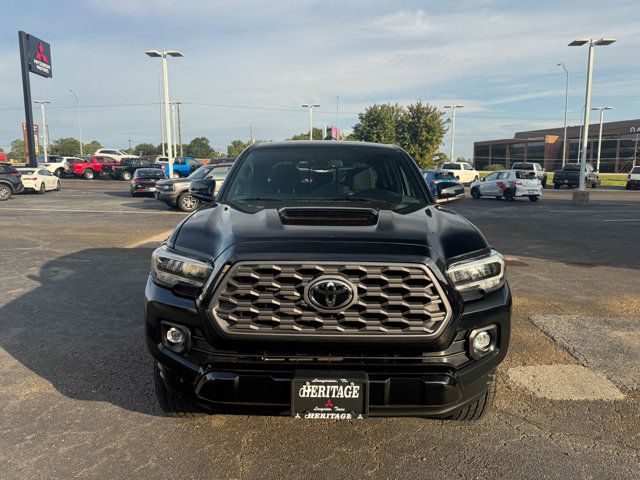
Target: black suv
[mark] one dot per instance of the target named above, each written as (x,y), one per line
(10,182)
(325,282)
(128,166)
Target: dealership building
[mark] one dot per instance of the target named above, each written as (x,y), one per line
(619,147)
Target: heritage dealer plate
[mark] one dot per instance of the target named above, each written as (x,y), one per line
(330,395)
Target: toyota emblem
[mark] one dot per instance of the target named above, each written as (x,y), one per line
(330,294)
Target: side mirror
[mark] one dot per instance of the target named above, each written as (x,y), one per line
(204,189)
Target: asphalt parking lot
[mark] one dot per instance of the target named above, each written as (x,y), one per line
(76,380)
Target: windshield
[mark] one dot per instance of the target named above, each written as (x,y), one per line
(150,173)
(523,166)
(572,168)
(444,176)
(365,176)
(200,172)
(26,171)
(635,170)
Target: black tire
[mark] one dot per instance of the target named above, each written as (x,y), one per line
(5,192)
(59,172)
(594,185)
(556,186)
(544,182)
(126,176)
(88,174)
(534,198)
(508,195)
(475,193)
(478,409)
(187,203)
(42,190)
(171,403)
(58,185)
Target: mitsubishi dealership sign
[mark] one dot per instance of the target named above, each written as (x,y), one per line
(39,57)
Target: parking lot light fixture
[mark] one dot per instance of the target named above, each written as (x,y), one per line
(602,109)
(453,108)
(582,198)
(167,114)
(310,106)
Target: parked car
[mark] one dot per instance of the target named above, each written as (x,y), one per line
(439,180)
(175,191)
(464,171)
(39,179)
(117,155)
(10,181)
(508,184)
(182,167)
(144,180)
(536,168)
(94,167)
(570,176)
(348,296)
(58,165)
(127,167)
(633,179)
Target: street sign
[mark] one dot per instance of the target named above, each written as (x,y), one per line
(39,57)
(36,140)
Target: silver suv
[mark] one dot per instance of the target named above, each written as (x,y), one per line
(540,172)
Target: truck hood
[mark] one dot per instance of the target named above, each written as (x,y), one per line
(434,231)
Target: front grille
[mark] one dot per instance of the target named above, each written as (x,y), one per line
(269,299)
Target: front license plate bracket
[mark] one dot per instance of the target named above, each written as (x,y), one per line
(328,395)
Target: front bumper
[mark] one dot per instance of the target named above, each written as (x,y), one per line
(404,379)
(170,197)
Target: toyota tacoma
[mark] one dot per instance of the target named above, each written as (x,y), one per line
(324,282)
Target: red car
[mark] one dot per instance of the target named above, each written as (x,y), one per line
(93,168)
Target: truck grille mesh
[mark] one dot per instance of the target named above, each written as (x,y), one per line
(268,299)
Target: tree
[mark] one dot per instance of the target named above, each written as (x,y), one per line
(464,159)
(421,132)
(380,124)
(317,135)
(418,128)
(66,147)
(91,147)
(147,149)
(440,158)
(18,151)
(236,147)
(199,147)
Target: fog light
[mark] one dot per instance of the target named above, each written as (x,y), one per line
(482,342)
(175,336)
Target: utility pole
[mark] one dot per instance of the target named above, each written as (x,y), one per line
(179,129)
(602,109)
(129,144)
(566,104)
(453,108)
(44,127)
(79,121)
(635,151)
(580,137)
(310,106)
(251,134)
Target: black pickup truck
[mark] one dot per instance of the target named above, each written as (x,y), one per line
(570,176)
(127,167)
(324,282)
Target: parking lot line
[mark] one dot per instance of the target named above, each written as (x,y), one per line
(623,220)
(70,210)
(152,239)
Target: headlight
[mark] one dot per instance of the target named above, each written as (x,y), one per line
(170,269)
(486,274)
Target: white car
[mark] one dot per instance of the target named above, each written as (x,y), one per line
(508,184)
(59,166)
(39,179)
(465,172)
(117,155)
(633,179)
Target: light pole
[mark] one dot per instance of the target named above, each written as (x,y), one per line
(453,108)
(310,106)
(79,122)
(164,54)
(566,104)
(582,197)
(164,152)
(44,127)
(179,128)
(602,109)
(580,136)
(175,133)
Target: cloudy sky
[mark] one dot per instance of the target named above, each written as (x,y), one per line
(255,62)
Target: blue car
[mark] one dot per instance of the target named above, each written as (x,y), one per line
(439,180)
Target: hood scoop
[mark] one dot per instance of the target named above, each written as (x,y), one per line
(328,216)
